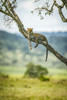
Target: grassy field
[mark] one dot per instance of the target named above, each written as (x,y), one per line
(14,87)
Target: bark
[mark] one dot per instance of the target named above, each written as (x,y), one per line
(61,15)
(21,28)
(57,54)
(60,11)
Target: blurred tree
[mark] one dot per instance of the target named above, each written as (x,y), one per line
(7,7)
(35,71)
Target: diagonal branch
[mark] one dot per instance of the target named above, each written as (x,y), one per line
(24,32)
(51,49)
(10,12)
(58,55)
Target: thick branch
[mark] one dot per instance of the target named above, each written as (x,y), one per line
(24,32)
(58,55)
(61,15)
(10,12)
(60,11)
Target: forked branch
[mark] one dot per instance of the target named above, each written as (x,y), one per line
(10,12)
(50,10)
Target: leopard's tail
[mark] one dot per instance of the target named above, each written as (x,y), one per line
(46,53)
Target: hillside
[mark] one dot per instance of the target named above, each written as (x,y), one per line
(14,50)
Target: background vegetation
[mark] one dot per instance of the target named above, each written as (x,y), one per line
(14,50)
(15,55)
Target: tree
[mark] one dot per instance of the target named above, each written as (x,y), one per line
(7,8)
(50,8)
(35,71)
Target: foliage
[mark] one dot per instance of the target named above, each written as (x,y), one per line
(14,49)
(35,71)
(42,78)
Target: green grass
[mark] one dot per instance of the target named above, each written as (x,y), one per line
(32,89)
(15,87)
